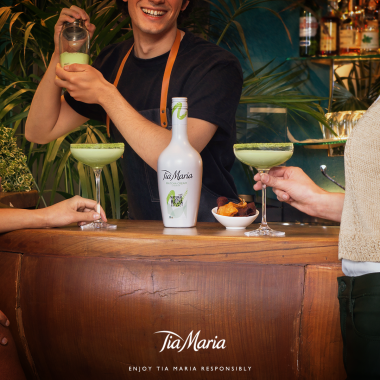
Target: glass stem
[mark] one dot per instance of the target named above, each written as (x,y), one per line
(98,173)
(264,201)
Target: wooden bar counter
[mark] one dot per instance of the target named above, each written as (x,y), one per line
(89,305)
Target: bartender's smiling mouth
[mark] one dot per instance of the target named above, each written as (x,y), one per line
(153,12)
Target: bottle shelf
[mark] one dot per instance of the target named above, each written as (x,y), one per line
(338,58)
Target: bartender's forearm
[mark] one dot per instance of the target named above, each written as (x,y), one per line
(329,206)
(17,219)
(146,138)
(46,105)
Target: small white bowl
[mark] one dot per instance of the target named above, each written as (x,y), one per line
(234,223)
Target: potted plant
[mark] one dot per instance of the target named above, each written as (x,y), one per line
(15,177)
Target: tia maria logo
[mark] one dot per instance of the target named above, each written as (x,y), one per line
(174,342)
(178,107)
(177,175)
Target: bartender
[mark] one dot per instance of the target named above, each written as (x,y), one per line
(129,86)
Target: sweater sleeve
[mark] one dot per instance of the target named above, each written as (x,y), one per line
(359,238)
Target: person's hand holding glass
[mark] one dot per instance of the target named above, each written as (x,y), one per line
(263,157)
(97,156)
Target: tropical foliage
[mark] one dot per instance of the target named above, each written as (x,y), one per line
(266,85)
(359,88)
(279,88)
(26,35)
(14,172)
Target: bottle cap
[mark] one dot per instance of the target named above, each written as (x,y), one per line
(180,100)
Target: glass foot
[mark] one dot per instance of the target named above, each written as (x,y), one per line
(264,231)
(98,226)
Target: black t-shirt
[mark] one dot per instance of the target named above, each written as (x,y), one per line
(209,76)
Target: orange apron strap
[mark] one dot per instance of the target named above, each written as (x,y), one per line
(166,79)
(115,83)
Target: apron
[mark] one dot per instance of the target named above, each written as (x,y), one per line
(140,179)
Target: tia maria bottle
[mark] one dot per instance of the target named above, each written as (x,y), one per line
(179,172)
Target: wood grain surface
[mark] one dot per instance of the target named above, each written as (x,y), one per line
(106,312)
(208,242)
(321,351)
(91,302)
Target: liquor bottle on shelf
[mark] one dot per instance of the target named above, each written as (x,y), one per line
(329,42)
(370,35)
(309,39)
(346,30)
(351,29)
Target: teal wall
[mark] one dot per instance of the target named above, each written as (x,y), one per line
(267,39)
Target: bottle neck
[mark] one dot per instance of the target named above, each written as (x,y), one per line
(179,133)
(345,7)
(331,8)
(179,121)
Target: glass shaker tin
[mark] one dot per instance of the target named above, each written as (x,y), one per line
(74,43)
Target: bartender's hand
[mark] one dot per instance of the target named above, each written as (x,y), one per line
(5,322)
(74,210)
(293,186)
(83,82)
(70,15)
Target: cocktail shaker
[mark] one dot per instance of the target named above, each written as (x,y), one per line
(74,43)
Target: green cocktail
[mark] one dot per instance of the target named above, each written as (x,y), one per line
(263,157)
(96,156)
(67,58)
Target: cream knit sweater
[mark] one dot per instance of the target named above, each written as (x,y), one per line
(359,238)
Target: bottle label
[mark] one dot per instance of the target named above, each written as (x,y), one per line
(370,39)
(305,43)
(308,26)
(329,37)
(346,38)
(357,40)
(176,199)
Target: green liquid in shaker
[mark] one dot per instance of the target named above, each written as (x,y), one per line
(70,58)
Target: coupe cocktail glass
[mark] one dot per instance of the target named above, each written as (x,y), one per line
(263,157)
(96,156)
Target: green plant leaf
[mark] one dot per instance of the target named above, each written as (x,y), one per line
(65,195)
(61,166)
(282,21)
(4,14)
(28,31)
(242,37)
(115,179)
(13,20)
(83,181)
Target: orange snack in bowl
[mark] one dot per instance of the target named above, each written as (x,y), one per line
(242,204)
(228,210)
(242,208)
